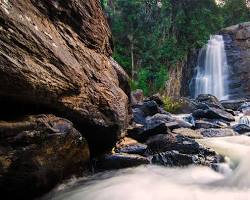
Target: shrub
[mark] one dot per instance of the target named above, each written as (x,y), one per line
(171,105)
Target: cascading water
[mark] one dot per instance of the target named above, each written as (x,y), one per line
(161,183)
(212,69)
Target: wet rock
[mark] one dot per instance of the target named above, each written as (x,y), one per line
(213,113)
(206,124)
(245,120)
(174,159)
(187,132)
(133,149)
(130,146)
(212,132)
(209,100)
(232,104)
(186,145)
(245,108)
(241,128)
(37,153)
(121,160)
(161,143)
(168,142)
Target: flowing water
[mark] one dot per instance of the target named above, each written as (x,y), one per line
(162,183)
(212,69)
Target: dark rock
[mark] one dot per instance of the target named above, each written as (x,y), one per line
(212,132)
(186,106)
(232,104)
(241,128)
(138,116)
(121,160)
(174,159)
(157,98)
(168,142)
(161,143)
(213,113)
(232,112)
(216,113)
(150,108)
(205,157)
(209,100)
(37,153)
(133,149)
(186,145)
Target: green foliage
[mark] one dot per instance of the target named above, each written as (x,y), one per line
(154,35)
(171,105)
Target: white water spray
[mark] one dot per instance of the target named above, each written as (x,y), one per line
(161,183)
(212,69)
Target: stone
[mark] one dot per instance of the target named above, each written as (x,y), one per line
(245,108)
(174,159)
(157,98)
(121,160)
(187,132)
(63,65)
(212,132)
(168,142)
(161,143)
(241,128)
(209,100)
(133,149)
(206,124)
(150,108)
(232,104)
(37,153)
(213,113)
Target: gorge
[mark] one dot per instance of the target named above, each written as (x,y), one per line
(71,128)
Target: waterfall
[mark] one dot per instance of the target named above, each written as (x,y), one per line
(212,69)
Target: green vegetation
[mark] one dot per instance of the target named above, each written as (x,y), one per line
(151,36)
(171,105)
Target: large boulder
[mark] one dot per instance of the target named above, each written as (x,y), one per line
(38,152)
(55,55)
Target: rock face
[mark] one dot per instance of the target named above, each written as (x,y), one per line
(38,152)
(237,48)
(55,55)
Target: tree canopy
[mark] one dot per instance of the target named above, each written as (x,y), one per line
(151,36)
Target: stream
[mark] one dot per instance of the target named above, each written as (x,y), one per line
(151,182)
